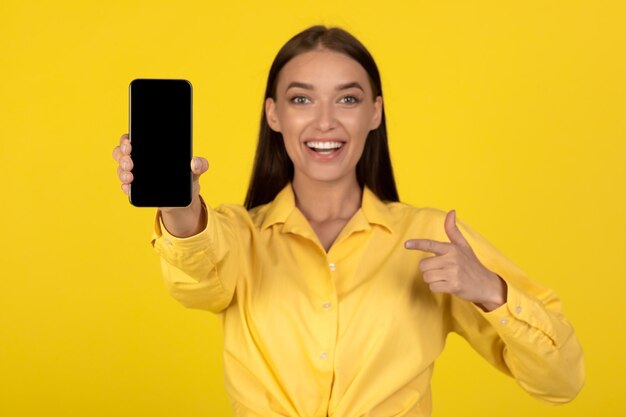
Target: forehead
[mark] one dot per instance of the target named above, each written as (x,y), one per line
(323,68)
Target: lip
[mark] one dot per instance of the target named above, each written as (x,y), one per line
(324,158)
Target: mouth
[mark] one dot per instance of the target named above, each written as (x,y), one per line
(324,147)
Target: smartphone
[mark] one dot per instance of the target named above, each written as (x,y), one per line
(161,136)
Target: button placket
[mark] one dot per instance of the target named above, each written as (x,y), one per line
(327,304)
(329,314)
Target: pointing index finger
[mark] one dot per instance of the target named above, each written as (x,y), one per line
(427,245)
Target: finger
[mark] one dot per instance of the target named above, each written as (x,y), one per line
(437,277)
(440,281)
(126,177)
(439,287)
(126,163)
(117,153)
(123,165)
(427,245)
(121,150)
(126,188)
(432,276)
(453,232)
(126,147)
(433,263)
(124,137)
(199,166)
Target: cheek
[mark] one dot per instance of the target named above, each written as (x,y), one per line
(358,124)
(291,130)
(293,122)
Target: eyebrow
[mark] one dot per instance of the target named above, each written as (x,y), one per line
(305,86)
(353,84)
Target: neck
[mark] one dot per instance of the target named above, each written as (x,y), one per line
(321,201)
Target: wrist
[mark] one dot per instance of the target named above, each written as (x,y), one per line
(183,222)
(497,296)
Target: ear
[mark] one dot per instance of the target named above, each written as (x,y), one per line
(270,114)
(378,113)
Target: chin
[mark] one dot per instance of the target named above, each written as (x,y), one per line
(330,177)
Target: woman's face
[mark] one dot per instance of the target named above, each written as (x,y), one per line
(324,109)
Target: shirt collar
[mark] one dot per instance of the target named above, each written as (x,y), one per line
(282,210)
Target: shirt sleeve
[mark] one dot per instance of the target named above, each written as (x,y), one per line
(528,337)
(200,271)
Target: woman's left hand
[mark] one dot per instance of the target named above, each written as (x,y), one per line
(455,269)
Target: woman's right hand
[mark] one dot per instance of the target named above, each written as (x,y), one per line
(179,221)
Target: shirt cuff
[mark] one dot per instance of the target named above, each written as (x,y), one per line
(520,312)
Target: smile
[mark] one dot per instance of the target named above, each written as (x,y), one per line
(324,147)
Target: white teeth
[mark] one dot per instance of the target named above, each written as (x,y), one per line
(324,145)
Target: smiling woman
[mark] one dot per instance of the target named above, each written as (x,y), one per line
(357,86)
(336,298)
(325,118)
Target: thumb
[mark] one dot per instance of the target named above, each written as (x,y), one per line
(453,232)
(199,166)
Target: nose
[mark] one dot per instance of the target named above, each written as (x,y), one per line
(325,117)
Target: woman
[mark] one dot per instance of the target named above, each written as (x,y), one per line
(336,298)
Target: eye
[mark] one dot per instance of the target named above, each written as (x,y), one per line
(299,100)
(349,99)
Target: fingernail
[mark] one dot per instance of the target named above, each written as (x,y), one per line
(408,244)
(125,148)
(125,165)
(196,164)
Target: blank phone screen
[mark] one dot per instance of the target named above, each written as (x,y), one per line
(160,135)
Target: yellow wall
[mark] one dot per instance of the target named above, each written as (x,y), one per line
(510,112)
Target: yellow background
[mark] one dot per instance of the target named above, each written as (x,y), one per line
(510,112)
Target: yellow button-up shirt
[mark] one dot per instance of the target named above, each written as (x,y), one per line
(354,331)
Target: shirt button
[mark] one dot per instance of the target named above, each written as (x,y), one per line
(332,266)
(503,321)
(324,356)
(518,309)
(326,305)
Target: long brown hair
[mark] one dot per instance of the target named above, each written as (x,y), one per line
(273,169)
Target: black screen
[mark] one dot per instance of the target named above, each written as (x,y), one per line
(160,134)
